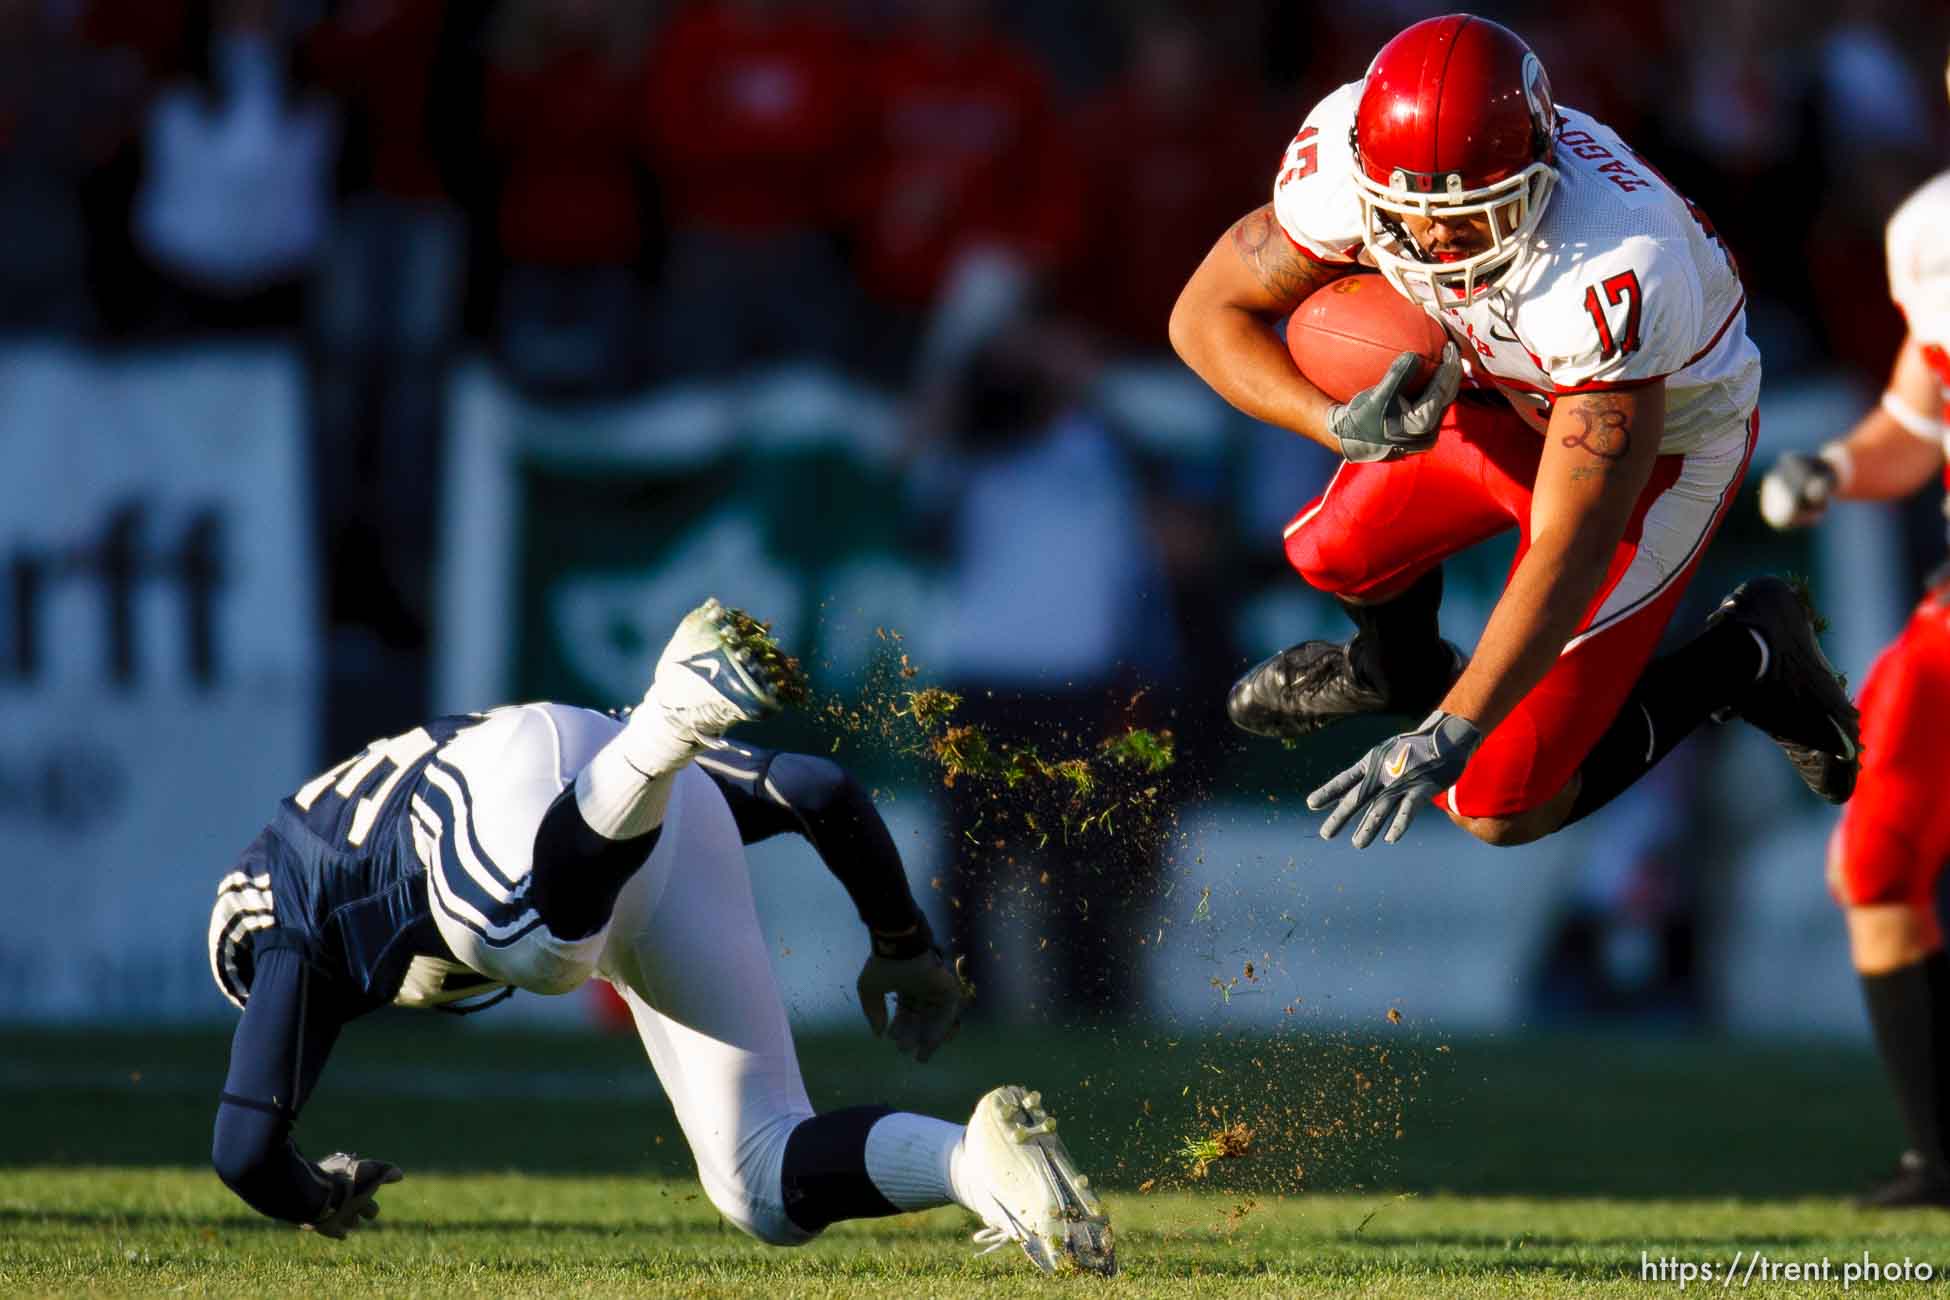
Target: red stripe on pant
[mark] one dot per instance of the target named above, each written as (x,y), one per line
(1381,525)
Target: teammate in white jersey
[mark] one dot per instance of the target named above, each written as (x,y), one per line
(1610,417)
(1888,852)
(535,846)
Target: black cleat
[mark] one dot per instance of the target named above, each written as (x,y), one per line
(1917,1185)
(1316,684)
(1800,701)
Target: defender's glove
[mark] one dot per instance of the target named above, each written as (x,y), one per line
(1396,776)
(354,1181)
(1383,423)
(1795,492)
(927,994)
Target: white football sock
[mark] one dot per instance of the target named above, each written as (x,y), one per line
(617,799)
(655,744)
(911,1159)
(963,1197)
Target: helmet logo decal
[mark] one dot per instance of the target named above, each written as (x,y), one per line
(1537,93)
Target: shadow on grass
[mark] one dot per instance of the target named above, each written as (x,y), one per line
(1243,1264)
(394,1225)
(1502,1241)
(143,1220)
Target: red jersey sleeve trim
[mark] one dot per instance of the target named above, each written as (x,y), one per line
(1602,386)
(1615,386)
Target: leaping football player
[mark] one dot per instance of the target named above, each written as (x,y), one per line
(1616,414)
(534,846)
(1888,851)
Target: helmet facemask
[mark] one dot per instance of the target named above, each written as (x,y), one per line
(1420,276)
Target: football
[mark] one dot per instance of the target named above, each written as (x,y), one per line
(1345,335)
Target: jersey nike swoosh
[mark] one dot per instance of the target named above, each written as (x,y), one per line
(706,668)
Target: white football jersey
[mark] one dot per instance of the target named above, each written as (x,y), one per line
(1918,243)
(1622,283)
(1919,280)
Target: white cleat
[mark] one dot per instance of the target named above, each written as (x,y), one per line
(1028,1190)
(709,679)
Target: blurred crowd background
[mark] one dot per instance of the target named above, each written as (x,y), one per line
(578,307)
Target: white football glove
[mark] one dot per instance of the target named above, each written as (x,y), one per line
(927,1000)
(1796,491)
(354,1181)
(1383,423)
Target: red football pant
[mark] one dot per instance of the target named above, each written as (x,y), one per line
(1380,526)
(1894,835)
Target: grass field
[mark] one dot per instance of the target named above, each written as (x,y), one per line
(1383,1163)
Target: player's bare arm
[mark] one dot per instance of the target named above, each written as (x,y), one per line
(1599,451)
(1893,450)
(1286,274)
(1897,447)
(1222,325)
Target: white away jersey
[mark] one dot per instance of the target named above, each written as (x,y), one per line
(1622,283)
(1919,261)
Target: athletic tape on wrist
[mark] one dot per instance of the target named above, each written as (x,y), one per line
(1921,425)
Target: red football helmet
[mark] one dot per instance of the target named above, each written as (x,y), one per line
(1456,120)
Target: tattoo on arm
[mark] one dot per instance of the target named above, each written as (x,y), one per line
(1285,272)
(1604,431)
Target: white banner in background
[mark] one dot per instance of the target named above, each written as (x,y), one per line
(157,663)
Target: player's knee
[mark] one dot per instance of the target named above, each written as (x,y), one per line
(768,1224)
(1513,829)
(1327,565)
(1849,884)
(746,1184)
(811,784)
(1503,832)
(1871,866)
(1859,885)
(245,1142)
(756,1210)
(1854,890)
(1507,830)
(232,1164)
